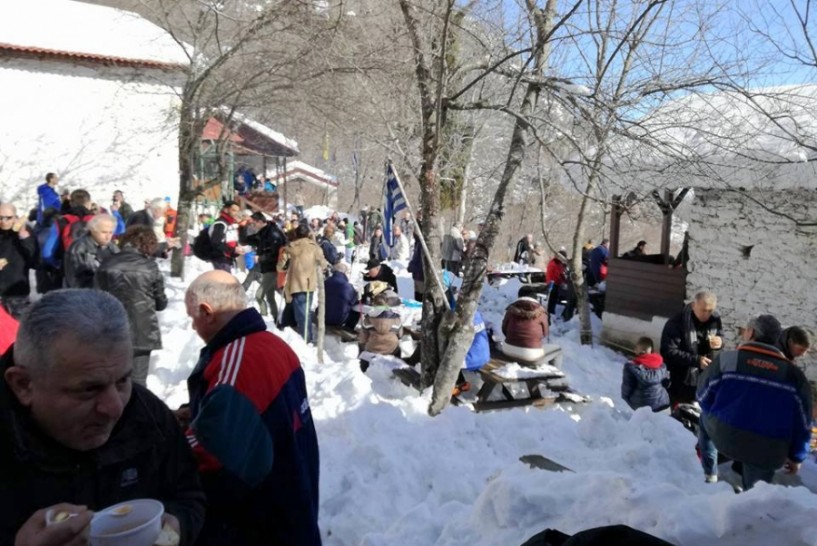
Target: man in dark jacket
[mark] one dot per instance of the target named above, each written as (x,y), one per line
(18,253)
(755,407)
(341,299)
(73,429)
(119,204)
(415,267)
(688,343)
(133,278)
(598,258)
(524,250)
(376,271)
(224,237)
(268,240)
(86,253)
(252,430)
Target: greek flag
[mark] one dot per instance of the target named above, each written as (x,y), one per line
(394,202)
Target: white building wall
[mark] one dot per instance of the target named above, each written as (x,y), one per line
(780,273)
(100,128)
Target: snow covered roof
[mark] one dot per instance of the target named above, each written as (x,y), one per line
(761,139)
(267,132)
(301,170)
(73,29)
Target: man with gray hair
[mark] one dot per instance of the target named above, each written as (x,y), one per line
(688,343)
(76,436)
(251,427)
(756,407)
(86,253)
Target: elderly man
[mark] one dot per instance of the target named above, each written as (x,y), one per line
(154,217)
(252,429)
(400,247)
(688,343)
(86,253)
(376,271)
(18,253)
(76,435)
(756,407)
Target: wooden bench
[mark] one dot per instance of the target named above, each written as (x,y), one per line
(543,389)
(345,336)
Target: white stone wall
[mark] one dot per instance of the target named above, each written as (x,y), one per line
(100,128)
(779,276)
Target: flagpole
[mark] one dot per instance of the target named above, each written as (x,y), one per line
(419,233)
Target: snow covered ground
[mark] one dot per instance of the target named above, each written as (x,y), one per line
(391,475)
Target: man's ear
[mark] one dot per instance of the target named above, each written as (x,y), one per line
(19,381)
(206,310)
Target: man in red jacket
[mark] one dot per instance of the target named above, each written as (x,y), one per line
(252,430)
(561,288)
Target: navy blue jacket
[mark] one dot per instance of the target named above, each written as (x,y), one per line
(598,256)
(644,381)
(254,437)
(341,299)
(756,406)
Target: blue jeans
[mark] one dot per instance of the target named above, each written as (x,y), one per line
(709,453)
(303,315)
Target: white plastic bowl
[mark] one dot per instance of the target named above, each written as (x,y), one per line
(139,527)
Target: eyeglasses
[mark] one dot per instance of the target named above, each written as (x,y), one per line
(6,218)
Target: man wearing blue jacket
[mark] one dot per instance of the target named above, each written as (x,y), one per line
(47,196)
(341,299)
(251,427)
(756,407)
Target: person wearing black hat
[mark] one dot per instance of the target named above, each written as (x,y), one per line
(376,271)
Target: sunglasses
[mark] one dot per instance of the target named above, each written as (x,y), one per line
(6,218)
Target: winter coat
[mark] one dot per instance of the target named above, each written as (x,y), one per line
(756,406)
(83,259)
(8,330)
(556,272)
(598,257)
(386,275)
(453,246)
(126,211)
(254,437)
(22,256)
(224,238)
(522,255)
(146,456)
(141,218)
(330,253)
(303,256)
(135,280)
(525,324)
(400,248)
(480,351)
(683,342)
(268,242)
(644,381)
(341,299)
(47,198)
(377,248)
(351,236)
(415,266)
(380,331)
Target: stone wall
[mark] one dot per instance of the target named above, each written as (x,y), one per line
(754,260)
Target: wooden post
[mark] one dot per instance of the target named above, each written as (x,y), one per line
(615,225)
(666,226)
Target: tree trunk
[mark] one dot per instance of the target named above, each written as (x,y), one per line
(583,303)
(188,141)
(457,326)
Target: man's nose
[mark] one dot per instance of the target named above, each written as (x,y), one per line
(110,403)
